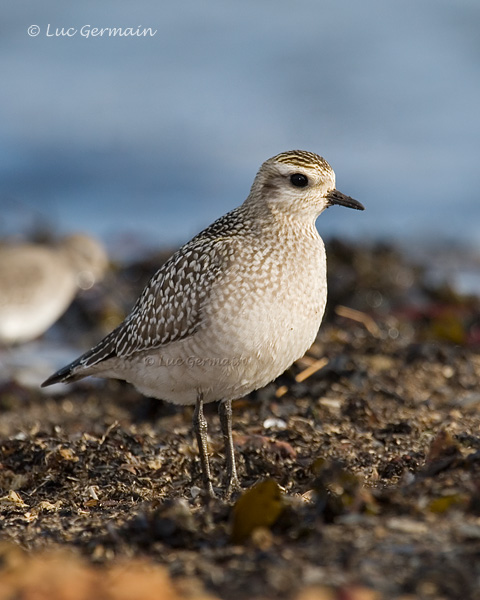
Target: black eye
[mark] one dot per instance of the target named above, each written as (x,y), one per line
(299,180)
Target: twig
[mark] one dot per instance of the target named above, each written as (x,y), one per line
(313,368)
(107,433)
(360,317)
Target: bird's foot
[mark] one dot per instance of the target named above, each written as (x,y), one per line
(233,487)
(209,493)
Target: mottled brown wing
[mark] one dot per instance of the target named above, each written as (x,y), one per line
(170,306)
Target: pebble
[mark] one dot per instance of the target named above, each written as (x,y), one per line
(274,423)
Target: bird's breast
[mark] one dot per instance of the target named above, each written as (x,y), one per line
(270,304)
(259,317)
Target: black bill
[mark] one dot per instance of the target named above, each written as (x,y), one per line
(336,197)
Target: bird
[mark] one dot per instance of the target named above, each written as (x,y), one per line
(233,308)
(38,282)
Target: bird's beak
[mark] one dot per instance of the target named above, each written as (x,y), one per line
(336,197)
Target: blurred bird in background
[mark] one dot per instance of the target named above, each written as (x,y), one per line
(38,283)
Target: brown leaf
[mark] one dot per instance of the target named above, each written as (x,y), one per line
(260,506)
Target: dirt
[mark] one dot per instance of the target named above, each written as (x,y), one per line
(371,458)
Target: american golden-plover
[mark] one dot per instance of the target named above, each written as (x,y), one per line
(38,283)
(234,307)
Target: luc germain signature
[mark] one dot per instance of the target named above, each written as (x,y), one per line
(194,361)
(88,31)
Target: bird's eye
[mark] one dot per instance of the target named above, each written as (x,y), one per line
(299,180)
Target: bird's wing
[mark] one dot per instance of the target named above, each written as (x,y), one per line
(170,306)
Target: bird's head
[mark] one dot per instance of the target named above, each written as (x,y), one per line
(299,183)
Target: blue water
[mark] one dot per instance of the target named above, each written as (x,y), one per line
(156,136)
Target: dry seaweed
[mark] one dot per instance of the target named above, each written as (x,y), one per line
(374,451)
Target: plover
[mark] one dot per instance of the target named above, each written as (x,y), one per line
(38,283)
(233,308)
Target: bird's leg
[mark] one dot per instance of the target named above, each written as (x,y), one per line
(200,428)
(225,414)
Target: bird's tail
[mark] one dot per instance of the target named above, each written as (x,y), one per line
(83,366)
(65,374)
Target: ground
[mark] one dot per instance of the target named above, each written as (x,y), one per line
(360,466)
